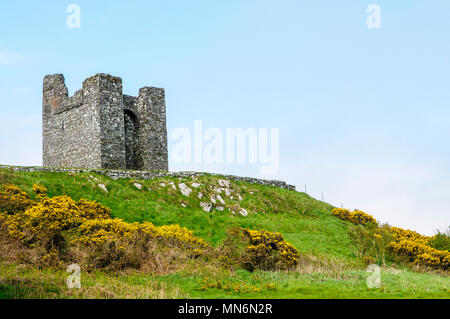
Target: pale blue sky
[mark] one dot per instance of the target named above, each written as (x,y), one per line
(364,115)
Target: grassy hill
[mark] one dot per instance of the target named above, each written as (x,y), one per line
(331,264)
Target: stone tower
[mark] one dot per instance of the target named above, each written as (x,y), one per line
(99,127)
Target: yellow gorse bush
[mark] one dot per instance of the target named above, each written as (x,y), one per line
(40,191)
(263,241)
(13,199)
(401,234)
(49,217)
(258,249)
(174,234)
(100,231)
(93,210)
(405,244)
(53,226)
(415,248)
(357,217)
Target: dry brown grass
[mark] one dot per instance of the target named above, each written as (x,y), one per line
(423,269)
(150,258)
(334,268)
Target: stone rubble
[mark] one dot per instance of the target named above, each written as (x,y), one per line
(186,191)
(219,198)
(103,187)
(243,212)
(224,183)
(172,184)
(206,206)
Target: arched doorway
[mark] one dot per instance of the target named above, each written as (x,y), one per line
(131,140)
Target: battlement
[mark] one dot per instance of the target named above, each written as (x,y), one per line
(56,90)
(100,127)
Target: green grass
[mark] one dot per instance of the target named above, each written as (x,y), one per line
(305,222)
(30,283)
(348,284)
(33,283)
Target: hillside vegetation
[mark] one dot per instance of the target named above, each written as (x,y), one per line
(202,237)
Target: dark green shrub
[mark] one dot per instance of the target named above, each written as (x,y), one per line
(441,241)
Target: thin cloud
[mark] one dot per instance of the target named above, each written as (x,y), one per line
(10,58)
(20,142)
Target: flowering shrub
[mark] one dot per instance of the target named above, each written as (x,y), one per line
(415,248)
(49,217)
(429,260)
(110,244)
(40,191)
(13,199)
(357,217)
(100,231)
(402,234)
(59,228)
(115,244)
(405,244)
(93,210)
(341,213)
(360,218)
(259,249)
(174,235)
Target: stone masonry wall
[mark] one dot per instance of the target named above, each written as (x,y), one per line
(151,108)
(71,131)
(112,125)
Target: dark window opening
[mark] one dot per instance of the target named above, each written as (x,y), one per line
(131,141)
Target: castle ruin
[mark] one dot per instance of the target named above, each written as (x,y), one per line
(99,127)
